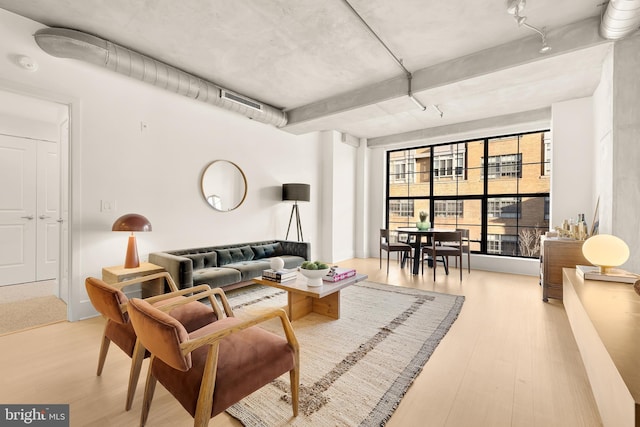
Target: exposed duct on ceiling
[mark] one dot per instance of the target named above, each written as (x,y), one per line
(621,18)
(65,43)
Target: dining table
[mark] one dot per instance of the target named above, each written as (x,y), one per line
(417,242)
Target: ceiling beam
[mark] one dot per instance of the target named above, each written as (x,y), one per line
(516,122)
(563,40)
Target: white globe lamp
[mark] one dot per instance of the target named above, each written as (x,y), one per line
(605,251)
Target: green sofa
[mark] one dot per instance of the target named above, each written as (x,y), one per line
(228,266)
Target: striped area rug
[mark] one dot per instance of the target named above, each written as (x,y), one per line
(354,370)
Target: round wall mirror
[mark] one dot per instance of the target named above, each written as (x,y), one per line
(223,185)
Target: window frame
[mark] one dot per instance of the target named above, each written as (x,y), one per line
(517,222)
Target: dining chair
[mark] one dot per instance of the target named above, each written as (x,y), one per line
(387,245)
(443,244)
(214,367)
(110,301)
(466,247)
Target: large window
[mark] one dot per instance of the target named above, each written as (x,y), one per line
(497,187)
(448,208)
(505,166)
(401,208)
(448,165)
(504,207)
(402,170)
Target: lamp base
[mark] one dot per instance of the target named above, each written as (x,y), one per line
(612,275)
(132,260)
(296,212)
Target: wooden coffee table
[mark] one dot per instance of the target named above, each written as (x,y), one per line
(303,299)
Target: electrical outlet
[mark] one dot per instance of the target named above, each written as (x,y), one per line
(107,206)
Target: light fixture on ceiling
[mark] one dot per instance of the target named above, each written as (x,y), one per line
(27,63)
(395,58)
(515,8)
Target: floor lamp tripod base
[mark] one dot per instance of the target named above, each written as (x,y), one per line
(294,210)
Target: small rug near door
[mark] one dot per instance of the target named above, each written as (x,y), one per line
(19,315)
(354,370)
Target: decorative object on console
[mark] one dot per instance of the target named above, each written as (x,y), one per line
(636,286)
(132,223)
(595,225)
(297,193)
(605,251)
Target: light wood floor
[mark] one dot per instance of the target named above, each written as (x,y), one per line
(508,360)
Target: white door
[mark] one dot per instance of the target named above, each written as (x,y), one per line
(47,205)
(18,170)
(29,210)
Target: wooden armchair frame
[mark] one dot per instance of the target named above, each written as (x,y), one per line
(139,351)
(207,386)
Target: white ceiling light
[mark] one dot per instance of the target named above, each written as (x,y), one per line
(27,63)
(515,8)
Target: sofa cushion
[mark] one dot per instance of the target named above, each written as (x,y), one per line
(216,277)
(250,269)
(267,251)
(203,260)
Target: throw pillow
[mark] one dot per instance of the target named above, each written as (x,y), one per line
(247,253)
(210,259)
(224,257)
(197,259)
(268,250)
(236,254)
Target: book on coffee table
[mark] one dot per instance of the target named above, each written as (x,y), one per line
(280,275)
(337,274)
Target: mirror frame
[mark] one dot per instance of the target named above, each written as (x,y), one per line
(206,197)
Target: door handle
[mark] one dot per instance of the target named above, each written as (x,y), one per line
(29,217)
(44,216)
(60,220)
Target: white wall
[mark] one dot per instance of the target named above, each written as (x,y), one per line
(603,145)
(156,171)
(572,133)
(626,147)
(338,225)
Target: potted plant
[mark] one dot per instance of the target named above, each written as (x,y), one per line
(424,222)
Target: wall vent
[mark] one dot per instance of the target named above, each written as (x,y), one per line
(224,94)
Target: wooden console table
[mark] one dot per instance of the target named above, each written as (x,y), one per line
(556,254)
(605,320)
(118,273)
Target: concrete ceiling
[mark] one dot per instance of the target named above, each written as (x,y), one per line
(316,60)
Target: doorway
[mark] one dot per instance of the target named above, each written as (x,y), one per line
(29,210)
(34,232)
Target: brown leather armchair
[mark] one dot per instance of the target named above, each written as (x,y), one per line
(111,302)
(214,367)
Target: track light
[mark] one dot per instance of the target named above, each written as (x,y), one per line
(515,7)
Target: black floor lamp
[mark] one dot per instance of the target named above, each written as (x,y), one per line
(297,193)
